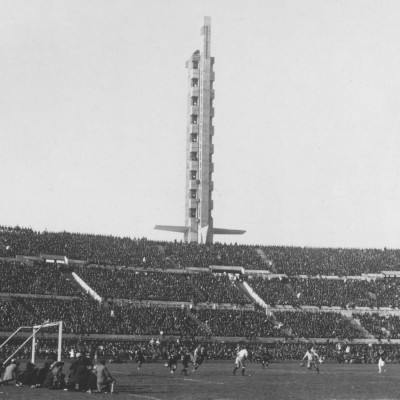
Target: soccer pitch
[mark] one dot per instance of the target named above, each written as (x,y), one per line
(214,380)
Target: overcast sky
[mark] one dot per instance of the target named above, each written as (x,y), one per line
(307,117)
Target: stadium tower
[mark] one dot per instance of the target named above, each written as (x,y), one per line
(199,225)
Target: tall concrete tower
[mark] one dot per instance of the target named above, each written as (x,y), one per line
(199,225)
(199,146)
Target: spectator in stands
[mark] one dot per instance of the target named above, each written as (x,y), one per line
(315,325)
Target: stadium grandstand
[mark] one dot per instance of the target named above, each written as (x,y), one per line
(115,293)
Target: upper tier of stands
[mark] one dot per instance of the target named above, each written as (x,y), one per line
(125,251)
(202,256)
(329,261)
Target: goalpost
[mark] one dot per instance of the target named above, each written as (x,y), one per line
(36,329)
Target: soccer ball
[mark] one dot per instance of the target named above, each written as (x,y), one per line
(301,364)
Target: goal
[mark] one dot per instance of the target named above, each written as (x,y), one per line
(32,338)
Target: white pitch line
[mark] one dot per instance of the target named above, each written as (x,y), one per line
(144,397)
(305,371)
(285,371)
(201,381)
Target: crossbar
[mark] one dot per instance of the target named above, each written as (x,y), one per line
(11,336)
(26,341)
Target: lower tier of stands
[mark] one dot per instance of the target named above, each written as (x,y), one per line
(84,316)
(155,349)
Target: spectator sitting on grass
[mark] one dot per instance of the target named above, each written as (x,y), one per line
(11,372)
(42,373)
(105,381)
(28,377)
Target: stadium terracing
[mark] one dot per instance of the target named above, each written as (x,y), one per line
(107,285)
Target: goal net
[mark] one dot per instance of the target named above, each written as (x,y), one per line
(32,338)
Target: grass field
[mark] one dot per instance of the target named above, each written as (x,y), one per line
(214,380)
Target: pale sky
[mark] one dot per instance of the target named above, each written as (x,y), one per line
(307,121)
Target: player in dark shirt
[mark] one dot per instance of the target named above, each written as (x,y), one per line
(265,357)
(173,361)
(139,356)
(185,358)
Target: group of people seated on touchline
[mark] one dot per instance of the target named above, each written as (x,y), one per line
(81,376)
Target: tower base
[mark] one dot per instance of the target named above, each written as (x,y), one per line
(204,235)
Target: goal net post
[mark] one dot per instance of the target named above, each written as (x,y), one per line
(32,337)
(37,328)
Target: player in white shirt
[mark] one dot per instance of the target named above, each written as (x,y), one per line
(382,360)
(199,355)
(312,359)
(240,361)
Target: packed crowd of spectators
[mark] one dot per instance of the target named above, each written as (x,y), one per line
(203,255)
(241,323)
(331,351)
(381,326)
(12,315)
(109,276)
(86,316)
(158,349)
(344,293)
(273,291)
(153,320)
(301,324)
(217,288)
(39,278)
(113,250)
(79,316)
(125,251)
(331,261)
(99,249)
(120,283)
